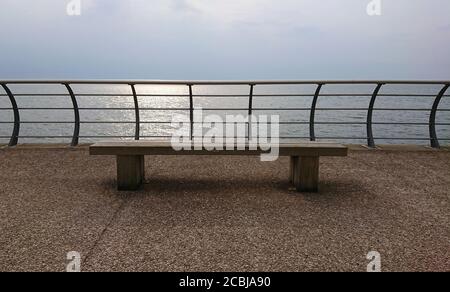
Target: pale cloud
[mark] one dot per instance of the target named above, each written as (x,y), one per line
(204,39)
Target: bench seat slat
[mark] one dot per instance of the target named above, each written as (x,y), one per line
(165,148)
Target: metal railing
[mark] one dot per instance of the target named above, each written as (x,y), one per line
(378,85)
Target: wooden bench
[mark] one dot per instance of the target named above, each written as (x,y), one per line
(304,163)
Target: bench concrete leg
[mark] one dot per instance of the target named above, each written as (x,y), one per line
(306,174)
(130,172)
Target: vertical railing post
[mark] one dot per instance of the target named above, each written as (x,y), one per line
(312,134)
(250,111)
(370,138)
(433,135)
(137,115)
(76,131)
(191,112)
(15,133)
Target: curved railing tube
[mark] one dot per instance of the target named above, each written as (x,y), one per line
(433,136)
(136,111)
(76,110)
(15,133)
(370,138)
(250,110)
(312,134)
(191,111)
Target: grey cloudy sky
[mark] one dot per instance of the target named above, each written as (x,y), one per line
(225,39)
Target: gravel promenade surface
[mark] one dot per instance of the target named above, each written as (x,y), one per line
(224,213)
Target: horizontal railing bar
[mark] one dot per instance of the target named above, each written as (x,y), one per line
(87,122)
(321,109)
(218,95)
(255,95)
(244,123)
(220,82)
(38,94)
(325,109)
(238,109)
(344,95)
(131,95)
(347,109)
(56,137)
(236,137)
(95,108)
(321,95)
(412,124)
(97,95)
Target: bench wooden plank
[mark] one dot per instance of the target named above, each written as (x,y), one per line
(165,148)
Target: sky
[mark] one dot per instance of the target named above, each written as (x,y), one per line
(225,40)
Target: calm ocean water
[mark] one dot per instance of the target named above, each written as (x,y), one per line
(411,134)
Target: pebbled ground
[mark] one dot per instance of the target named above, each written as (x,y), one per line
(224,213)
